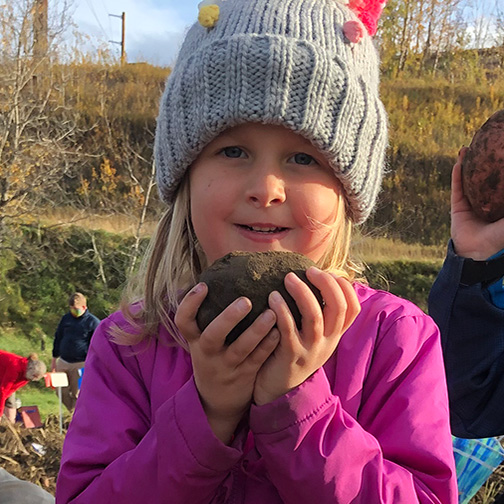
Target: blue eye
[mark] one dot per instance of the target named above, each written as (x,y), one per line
(303,159)
(232,152)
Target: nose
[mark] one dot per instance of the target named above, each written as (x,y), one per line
(266,189)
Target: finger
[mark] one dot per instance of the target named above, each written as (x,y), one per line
(312,319)
(458,200)
(185,317)
(461,155)
(264,349)
(352,301)
(285,321)
(214,335)
(335,300)
(246,344)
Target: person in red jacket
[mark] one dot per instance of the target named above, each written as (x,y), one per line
(16,372)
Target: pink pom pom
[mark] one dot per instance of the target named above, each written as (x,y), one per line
(369,12)
(354,31)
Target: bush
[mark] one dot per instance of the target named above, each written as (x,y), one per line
(50,265)
(410,280)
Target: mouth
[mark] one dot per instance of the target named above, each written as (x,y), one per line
(264,229)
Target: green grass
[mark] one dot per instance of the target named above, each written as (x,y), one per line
(45,398)
(34,393)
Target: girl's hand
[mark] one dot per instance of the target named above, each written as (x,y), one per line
(225,375)
(300,353)
(472,237)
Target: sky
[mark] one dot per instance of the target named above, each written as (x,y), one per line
(154,28)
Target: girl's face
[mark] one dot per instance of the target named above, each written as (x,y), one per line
(261,187)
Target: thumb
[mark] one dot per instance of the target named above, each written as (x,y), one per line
(458,200)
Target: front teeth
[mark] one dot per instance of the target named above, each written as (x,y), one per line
(264,230)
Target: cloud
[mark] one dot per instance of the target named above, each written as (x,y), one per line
(154,29)
(158,50)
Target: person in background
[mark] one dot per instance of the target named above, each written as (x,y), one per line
(16,372)
(71,344)
(271,136)
(467,303)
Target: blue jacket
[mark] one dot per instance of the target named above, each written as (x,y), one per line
(71,341)
(472,332)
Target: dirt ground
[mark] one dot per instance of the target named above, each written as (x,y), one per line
(34,455)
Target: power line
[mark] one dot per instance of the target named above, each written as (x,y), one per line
(90,5)
(105,7)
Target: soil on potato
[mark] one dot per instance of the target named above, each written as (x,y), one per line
(255,276)
(32,454)
(483,169)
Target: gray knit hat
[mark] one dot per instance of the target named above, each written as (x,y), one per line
(287,62)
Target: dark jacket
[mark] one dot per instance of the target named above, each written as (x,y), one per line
(71,341)
(472,332)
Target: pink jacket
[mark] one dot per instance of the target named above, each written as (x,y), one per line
(370,427)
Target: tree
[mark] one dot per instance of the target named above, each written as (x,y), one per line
(417,32)
(38,131)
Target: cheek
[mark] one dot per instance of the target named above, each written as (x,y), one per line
(318,206)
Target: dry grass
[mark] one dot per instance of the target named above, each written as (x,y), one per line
(491,489)
(112,223)
(365,248)
(375,249)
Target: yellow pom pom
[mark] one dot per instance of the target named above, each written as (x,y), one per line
(208,15)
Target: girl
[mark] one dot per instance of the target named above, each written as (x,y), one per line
(271,136)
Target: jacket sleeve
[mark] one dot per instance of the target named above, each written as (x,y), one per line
(399,447)
(472,332)
(115,452)
(57,340)
(92,325)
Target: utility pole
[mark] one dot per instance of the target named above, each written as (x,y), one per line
(123,36)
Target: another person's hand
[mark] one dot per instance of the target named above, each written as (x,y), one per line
(301,353)
(225,375)
(53,365)
(472,237)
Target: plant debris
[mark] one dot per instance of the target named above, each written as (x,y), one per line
(32,454)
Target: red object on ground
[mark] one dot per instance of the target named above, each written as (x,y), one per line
(30,416)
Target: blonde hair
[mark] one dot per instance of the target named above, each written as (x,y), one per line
(174,260)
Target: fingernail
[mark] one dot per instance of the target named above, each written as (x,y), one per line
(243,304)
(315,270)
(293,277)
(197,288)
(275,297)
(274,334)
(268,316)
